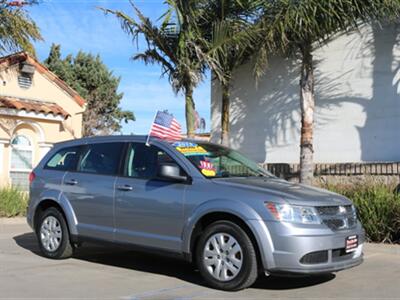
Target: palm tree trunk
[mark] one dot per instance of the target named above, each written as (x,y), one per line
(225,114)
(307,104)
(190,112)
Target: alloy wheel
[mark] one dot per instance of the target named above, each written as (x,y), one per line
(51,234)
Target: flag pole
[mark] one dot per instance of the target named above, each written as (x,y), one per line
(148,135)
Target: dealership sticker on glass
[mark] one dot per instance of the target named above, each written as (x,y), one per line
(189,149)
(207,168)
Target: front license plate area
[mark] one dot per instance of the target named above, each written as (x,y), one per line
(351,243)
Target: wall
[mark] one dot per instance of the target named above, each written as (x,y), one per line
(42,132)
(357,115)
(43,89)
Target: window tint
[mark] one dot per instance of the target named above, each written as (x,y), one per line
(64,160)
(143,161)
(101,158)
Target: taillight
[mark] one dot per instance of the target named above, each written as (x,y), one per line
(32,177)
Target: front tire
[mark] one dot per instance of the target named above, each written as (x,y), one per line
(226,257)
(53,235)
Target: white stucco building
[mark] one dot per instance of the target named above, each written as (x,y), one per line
(357,115)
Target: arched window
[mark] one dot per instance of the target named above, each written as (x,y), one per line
(21,141)
(21,160)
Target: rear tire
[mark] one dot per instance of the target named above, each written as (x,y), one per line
(226,257)
(53,235)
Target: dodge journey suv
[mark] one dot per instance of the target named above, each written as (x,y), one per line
(199,201)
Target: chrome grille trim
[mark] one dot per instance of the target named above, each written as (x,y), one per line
(339,217)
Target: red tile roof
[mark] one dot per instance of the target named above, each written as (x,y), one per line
(32,106)
(19,57)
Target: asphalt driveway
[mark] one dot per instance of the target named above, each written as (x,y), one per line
(104,273)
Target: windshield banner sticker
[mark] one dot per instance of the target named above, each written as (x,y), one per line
(189,149)
(184,144)
(207,168)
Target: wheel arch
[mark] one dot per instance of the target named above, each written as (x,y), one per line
(211,212)
(63,206)
(41,207)
(213,217)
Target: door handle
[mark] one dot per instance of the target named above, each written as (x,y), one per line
(125,187)
(71,182)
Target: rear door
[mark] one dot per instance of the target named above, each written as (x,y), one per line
(49,177)
(148,210)
(90,189)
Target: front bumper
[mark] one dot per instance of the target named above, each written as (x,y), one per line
(283,247)
(320,268)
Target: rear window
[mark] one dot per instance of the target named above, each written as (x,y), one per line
(101,159)
(65,159)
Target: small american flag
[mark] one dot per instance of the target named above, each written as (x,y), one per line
(165,126)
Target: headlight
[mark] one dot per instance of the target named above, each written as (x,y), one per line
(354,210)
(293,213)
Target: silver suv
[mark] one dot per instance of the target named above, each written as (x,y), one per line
(200,201)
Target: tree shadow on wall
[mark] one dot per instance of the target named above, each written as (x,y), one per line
(268,116)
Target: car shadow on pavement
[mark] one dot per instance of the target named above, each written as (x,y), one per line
(172,267)
(288,283)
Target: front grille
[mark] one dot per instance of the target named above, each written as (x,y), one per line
(318,257)
(341,255)
(340,217)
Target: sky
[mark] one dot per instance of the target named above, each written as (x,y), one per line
(80,25)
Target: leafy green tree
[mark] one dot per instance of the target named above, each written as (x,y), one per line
(17,30)
(175,45)
(59,66)
(90,77)
(297,28)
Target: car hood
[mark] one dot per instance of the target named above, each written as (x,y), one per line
(293,193)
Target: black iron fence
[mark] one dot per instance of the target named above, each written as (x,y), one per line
(341,169)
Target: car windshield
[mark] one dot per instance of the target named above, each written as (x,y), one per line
(215,161)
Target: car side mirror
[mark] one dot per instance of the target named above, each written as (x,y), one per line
(171,171)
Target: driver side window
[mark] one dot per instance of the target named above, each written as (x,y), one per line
(143,161)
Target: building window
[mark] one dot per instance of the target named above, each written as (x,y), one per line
(24,81)
(21,161)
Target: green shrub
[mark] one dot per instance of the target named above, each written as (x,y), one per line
(13,202)
(378,208)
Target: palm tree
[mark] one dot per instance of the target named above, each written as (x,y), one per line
(230,43)
(297,28)
(175,45)
(17,30)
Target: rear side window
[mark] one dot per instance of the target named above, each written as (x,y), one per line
(65,159)
(101,159)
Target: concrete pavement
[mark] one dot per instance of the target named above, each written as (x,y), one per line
(103,273)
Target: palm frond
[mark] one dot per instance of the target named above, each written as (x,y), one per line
(17,31)
(151,56)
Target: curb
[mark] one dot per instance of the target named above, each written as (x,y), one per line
(13,221)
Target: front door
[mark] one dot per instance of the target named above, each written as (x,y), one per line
(148,210)
(90,189)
